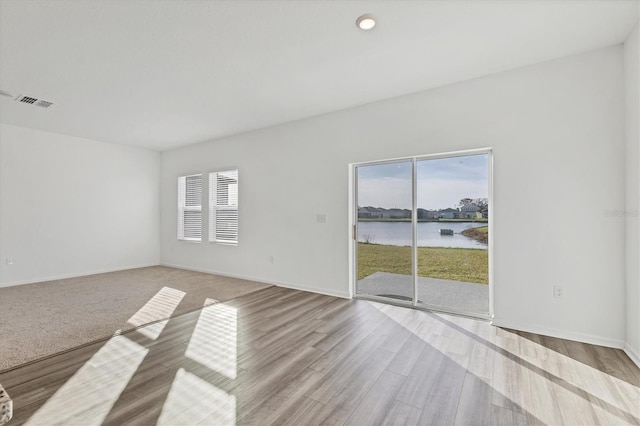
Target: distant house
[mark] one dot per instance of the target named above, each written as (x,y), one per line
(469,211)
(396,214)
(380,213)
(448,213)
(469,208)
(427,214)
(369,213)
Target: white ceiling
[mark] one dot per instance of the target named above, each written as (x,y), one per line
(164,74)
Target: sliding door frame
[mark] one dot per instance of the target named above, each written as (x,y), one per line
(353,231)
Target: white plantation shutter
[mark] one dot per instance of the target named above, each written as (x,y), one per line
(223,207)
(190,208)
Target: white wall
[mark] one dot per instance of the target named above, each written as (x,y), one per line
(632,233)
(557,130)
(71,206)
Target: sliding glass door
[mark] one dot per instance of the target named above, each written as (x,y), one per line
(385,231)
(453,258)
(422,228)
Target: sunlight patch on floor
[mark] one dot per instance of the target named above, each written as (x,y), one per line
(553,380)
(192,401)
(160,306)
(608,389)
(214,340)
(88,396)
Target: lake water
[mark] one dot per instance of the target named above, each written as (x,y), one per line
(399,234)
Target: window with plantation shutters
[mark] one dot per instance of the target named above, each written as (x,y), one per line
(190,208)
(223,207)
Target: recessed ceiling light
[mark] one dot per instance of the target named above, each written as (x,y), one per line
(366,22)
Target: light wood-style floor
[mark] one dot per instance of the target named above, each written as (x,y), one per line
(282,356)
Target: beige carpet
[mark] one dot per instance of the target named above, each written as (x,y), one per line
(38,320)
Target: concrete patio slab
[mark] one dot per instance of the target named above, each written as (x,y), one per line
(458,295)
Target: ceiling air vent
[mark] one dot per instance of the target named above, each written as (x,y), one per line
(43,104)
(27,99)
(34,101)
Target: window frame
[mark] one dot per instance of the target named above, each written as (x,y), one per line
(214,207)
(183,207)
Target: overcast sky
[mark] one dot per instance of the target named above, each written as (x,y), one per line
(442,183)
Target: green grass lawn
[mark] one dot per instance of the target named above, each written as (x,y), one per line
(459,264)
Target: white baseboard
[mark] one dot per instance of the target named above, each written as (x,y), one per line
(77,275)
(262,280)
(632,354)
(312,289)
(562,334)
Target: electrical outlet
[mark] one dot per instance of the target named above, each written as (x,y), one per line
(272,259)
(558,292)
(9,261)
(6,406)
